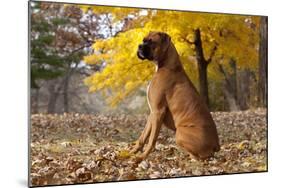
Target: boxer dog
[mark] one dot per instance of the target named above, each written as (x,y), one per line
(174,102)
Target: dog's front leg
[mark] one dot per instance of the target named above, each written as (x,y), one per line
(143,137)
(156,119)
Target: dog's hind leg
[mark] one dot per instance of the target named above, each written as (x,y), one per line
(169,121)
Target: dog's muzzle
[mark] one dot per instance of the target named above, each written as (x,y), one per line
(144,52)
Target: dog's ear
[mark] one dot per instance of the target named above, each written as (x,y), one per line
(165,38)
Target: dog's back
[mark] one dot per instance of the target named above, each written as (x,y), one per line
(195,129)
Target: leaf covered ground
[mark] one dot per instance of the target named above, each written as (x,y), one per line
(79,148)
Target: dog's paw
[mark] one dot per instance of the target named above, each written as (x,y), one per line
(136,148)
(141,157)
(138,159)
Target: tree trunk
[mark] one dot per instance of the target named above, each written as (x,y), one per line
(230,86)
(233,77)
(65,94)
(52,99)
(69,74)
(202,67)
(35,101)
(263,55)
(232,104)
(203,81)
(244,89)
(54,94)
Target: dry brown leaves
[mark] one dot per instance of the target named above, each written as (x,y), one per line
(78,148)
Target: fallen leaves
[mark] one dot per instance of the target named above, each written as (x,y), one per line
(123,154)
(80,148)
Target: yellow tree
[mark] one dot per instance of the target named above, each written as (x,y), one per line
(200,38)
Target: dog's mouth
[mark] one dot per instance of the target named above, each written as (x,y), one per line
(144,52)
(140,55)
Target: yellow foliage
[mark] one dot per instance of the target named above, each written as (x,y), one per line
(124,72)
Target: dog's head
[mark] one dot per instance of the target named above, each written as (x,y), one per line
(154,46)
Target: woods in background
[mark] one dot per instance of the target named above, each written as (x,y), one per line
(60,37)
(79,47)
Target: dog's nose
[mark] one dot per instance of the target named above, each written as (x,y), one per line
(140,46)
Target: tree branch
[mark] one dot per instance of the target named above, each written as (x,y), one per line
(213,53)
(225,75)
(80,48)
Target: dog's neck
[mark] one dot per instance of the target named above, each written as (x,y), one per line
(169,61)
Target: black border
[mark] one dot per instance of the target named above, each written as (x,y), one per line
(117,6)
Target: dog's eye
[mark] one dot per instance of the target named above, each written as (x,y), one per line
(147,40)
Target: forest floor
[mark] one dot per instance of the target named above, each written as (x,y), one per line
(78,148)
